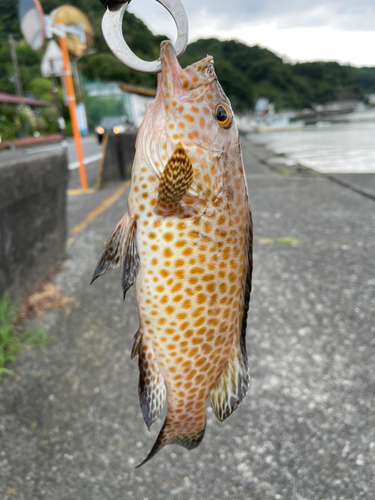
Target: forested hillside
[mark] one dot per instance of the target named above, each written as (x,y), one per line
(244,72)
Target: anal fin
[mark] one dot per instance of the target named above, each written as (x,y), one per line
(151,388)
(175,181)
(232,385)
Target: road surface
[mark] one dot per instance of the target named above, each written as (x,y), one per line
(70,423)
(91,151)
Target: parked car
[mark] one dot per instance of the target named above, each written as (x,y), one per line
(112,125)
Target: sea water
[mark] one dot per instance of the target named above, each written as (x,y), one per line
(326,147)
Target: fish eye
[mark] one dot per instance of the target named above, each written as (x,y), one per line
(222,116)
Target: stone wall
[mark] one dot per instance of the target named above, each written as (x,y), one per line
(33,228)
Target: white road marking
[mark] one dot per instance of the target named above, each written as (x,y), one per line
(89,159)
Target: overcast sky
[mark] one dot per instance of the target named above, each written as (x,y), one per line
(299,30)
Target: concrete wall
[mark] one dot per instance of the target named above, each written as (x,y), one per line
(118,158)
(33,227)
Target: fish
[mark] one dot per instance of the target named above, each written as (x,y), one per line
(186,243)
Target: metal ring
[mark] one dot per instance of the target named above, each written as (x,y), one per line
(112,32)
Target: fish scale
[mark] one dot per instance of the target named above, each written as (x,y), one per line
(193,259)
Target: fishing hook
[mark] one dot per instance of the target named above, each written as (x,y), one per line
(112,32)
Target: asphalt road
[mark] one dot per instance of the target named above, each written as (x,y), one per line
(70,423)
(91,152)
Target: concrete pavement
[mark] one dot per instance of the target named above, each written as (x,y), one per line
(71,426)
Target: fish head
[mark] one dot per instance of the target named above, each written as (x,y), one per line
(192,109)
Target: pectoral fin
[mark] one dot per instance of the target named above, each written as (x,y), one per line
(175,181)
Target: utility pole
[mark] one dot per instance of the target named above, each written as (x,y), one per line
(72,105)
(56,98)
(13,55)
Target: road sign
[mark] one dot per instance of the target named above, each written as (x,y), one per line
(52,63)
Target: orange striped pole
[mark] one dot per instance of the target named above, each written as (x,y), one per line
(73,110)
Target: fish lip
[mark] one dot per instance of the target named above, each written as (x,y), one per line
(170,67)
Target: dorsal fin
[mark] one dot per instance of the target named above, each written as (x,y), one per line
(151,388)
(121,250)
(113,250)
(175,181)
(233,383)
(136,344)
(130,261)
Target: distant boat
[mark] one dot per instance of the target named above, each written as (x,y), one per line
(277,125)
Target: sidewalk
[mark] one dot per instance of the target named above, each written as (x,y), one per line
(71,426)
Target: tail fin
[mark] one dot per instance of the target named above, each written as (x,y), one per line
(175,432)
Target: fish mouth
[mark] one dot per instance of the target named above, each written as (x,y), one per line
(170,68)
(179,82)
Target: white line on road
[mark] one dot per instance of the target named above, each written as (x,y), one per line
(89,159)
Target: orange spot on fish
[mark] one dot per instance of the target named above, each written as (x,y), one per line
(180,273)
(168,236)
(187,251)
(189,118)
(193,135)
(180,243)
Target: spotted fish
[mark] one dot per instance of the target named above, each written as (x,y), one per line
(186,241)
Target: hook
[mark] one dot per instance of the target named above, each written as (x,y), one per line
(112,32)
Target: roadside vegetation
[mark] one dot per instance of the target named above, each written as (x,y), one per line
(14,338)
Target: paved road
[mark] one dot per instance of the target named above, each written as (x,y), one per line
(91,152)
(71,427)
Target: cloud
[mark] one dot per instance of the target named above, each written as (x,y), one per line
(230,14)
(340,30)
